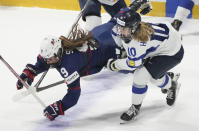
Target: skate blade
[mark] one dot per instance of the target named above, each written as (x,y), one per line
(177,92)
(176,76)
(123,122)
(178,89)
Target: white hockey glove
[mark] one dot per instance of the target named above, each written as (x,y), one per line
(111,65)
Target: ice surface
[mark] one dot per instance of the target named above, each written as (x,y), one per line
(104,95)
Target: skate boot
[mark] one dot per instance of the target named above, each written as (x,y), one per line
(131,113)
(174,77)
(176,24)
(172,92)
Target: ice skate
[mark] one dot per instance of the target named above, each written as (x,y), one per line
(174,77)
(172,92)
(130,114)
(176,24)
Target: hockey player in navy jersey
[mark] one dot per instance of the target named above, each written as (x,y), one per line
(92,14)
(152,50)
(72,63)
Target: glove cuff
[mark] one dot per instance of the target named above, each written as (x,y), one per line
(29,74)
(58,107)
(32,69)
(111,65)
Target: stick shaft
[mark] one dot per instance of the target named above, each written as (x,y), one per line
(49,86)
(41,79)
(78,17)
(26,85)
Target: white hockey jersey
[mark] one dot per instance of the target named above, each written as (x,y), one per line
(165,41)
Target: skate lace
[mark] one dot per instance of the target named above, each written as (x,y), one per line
(132,110)
(170,94)
(171,91)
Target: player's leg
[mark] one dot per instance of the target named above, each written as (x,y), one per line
(183,10)
(139,89)
(92,14)
(114,9)
(158,67)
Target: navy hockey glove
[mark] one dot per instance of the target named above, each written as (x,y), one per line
(53,110)
(28,76)
(111,65)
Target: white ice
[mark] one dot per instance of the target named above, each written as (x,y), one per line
(104,95)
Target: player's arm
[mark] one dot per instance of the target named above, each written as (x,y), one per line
(70,99)
(31,71)
(124,64)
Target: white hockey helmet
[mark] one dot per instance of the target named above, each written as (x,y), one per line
(51,46)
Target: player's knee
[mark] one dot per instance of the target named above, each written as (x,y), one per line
(141,76)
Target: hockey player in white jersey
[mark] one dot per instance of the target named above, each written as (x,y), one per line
(92,14)
(152,50)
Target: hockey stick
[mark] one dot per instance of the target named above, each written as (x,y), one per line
(20,95)
(26,85)
(49,86)
(41,79)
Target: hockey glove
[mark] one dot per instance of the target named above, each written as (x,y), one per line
(28,76)
(136,4)
(111,65)
(144,5)
(53,110)
(145,8)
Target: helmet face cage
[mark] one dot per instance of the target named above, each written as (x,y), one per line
(129,19)
(126,39)
(58,55)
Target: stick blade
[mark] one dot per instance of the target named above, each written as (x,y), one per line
(21,95)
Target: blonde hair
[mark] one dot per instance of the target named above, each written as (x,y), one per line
(143,33)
